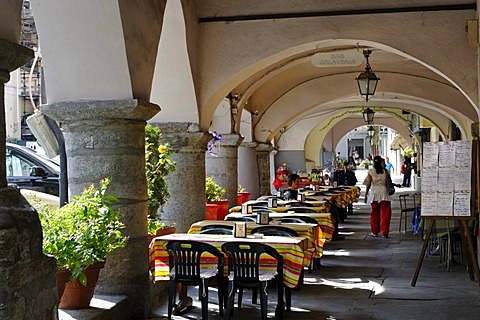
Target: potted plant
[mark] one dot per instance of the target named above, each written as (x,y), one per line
(242,195)
(217,207)
(157,166)
(80,235)
(157,228)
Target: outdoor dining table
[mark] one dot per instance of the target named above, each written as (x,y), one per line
(311,232)
(325,220)
(319,209)
(294,251)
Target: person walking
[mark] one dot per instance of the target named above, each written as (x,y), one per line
(378,198)
(389,166)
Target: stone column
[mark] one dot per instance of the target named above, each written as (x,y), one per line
(223,167)
(263,161)
(107,139)
(28,289)
(186,184)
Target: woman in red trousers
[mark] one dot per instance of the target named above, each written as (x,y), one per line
(377,195)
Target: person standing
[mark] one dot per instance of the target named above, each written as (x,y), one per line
(408,172)
(378,198)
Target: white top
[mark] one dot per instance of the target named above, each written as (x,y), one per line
(378,189)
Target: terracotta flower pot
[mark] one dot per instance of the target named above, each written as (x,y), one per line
(223,210)
(62,278)
(78,296)
(242,197)
(212,211)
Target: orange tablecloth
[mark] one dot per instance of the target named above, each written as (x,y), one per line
(293,250)
(325,220)
(312,232)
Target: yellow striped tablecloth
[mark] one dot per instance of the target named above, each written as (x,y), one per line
(312,232)
(292,249)
(325,220)
(318,206)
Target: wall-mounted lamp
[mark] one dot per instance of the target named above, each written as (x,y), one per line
(367,80)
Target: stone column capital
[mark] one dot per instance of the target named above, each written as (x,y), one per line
(231,140)
(78,111)
(184,137)
(12,56)
(264,147)
(249,144)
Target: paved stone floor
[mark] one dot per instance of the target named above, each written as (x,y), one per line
(368,278)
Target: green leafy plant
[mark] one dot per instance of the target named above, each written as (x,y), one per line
(157,166)
(213,191)
(407,152)
(83,231)
(241,189)
(154,225)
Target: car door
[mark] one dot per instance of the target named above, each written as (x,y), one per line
(29,173)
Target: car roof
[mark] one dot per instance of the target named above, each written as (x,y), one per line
(51,164)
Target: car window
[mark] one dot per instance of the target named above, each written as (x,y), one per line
(18,165)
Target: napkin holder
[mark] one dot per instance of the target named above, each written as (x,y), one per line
(272,202)
(301,197)
(247,208)
(240,230)
(280,194)
(262,218)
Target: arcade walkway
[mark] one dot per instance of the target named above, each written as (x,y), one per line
(365,278)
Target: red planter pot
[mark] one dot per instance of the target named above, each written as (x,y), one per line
(223,210)
(242,197)
(212,211)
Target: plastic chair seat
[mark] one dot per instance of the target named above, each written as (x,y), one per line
(205,273)
(263,275)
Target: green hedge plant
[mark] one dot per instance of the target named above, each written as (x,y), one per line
(213,191)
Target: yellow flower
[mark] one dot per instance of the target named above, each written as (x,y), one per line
(162,149)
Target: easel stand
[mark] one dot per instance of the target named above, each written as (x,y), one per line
(467,245)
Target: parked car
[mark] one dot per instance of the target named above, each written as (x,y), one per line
(27,169)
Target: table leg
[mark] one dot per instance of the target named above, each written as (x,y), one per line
(184,300)
(422,253)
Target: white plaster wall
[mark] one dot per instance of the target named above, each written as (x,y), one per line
(246,126)
(83,50)
(10,12)
(173,87)
(248,170)
(221,118)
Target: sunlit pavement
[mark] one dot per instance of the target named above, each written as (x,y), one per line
(363,277)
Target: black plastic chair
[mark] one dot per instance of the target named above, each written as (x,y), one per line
(302,219)
(217,229)
(301,210)
(244,218)
(244,271)
(261,209)
(406,206)
(298,204)
(273,230)
(289,220)
(184,262)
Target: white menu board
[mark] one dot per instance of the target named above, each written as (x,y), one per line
(446,179)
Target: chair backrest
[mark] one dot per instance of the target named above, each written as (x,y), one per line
(217,229)
(243,259)
(298,204)
(244,218)
(306,219)
(185,256)
(289,220)
(405,204)
(260,204)
(261,209)
(273,230)
(301,210)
